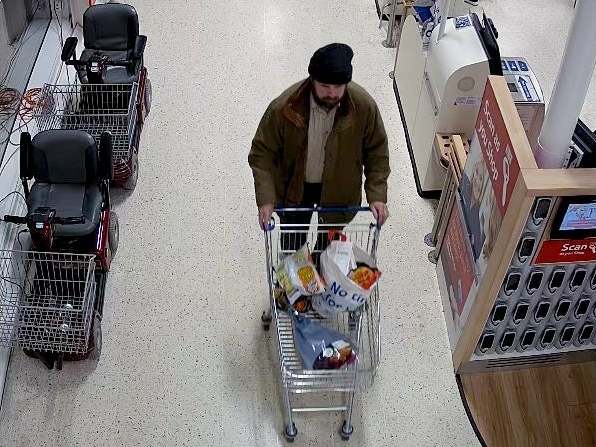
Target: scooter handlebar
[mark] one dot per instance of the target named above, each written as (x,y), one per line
(79,63)
(15,219)
(55,220)
(68,220)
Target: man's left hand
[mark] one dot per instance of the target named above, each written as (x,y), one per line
(379,211)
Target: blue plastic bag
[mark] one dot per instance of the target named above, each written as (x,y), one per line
(321,347)
(424,13)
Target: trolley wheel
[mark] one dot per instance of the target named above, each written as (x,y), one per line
(266,320)
(428,240)
(432,256)
(96,339)
(290,433)
(131,182)
(344,432)
(113,232)
(148,96)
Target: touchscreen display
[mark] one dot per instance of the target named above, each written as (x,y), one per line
(579,216)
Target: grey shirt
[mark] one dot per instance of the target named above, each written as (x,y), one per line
(319,127)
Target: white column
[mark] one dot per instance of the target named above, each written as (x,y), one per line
(575,73)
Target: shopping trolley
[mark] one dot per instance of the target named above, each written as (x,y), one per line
(95,109)
(47,303)
(362,326)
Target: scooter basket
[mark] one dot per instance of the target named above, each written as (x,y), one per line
(93,108)
(46,300)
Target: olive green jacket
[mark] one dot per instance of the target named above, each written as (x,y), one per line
(357,143)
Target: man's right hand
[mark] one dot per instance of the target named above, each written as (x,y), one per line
(265,213)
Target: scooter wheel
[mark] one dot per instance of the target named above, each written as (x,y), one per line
(113,232)
(131,182)
(96,339)
(148,96)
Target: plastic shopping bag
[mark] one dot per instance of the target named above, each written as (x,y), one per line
(321,347)
(298,276)
(345,291)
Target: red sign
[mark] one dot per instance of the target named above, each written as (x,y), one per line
(458,265)
(496,148)
(566,251)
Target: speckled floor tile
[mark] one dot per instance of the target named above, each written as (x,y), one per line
(185,362)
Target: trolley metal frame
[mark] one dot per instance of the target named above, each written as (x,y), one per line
(46,300)
(362,326)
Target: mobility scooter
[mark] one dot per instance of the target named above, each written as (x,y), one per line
(52,297)
(113,93)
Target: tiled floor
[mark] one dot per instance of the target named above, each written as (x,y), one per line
(185,361)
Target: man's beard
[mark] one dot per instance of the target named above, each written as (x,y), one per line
(327,102)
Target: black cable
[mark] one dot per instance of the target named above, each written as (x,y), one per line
(8,159)
(18,193)
(55,2)
(24,230)
(10,133)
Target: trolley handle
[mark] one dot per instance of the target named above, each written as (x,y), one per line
(324,209)
(320,210)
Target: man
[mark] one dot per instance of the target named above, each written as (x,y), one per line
(315,141)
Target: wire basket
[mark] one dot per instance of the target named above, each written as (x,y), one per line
(301,380)
(294,376)
(93,108)
(46,300)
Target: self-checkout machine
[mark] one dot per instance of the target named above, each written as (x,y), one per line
(438,83)
(395,13)
(517,268)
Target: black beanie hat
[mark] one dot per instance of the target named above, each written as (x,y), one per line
(332,64)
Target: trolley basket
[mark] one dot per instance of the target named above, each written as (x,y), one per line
(362,326)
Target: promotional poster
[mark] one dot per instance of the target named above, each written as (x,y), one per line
(488,180)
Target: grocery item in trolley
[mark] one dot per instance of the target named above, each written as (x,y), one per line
(298,275)
(321,347)
(350,274)
(302,304)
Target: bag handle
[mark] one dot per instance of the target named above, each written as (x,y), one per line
(333,232)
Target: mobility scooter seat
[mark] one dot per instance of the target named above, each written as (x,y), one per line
(112,30)
(69,200)
(65,168)
(113,75)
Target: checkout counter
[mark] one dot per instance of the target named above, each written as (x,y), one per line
(514,243)
(438,90)
(516,265)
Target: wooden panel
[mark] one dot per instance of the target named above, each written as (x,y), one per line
(459,150)
(560,182)
(549,406)
(515,128)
